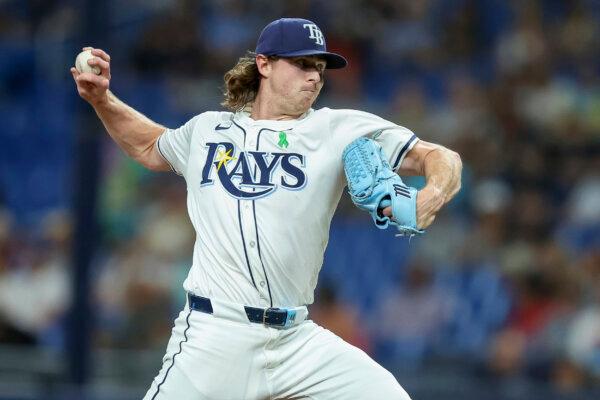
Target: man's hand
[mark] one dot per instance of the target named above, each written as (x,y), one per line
(91,87)
(132,131)
(442,169)
(429,201)
(373,185)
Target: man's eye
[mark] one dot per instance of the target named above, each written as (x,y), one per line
(304,64)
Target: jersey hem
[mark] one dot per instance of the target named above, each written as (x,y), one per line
(405,149)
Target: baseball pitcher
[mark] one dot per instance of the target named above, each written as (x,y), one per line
(264,180)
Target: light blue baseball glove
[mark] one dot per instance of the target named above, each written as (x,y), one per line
(373,186)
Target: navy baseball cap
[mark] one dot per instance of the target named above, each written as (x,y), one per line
(294,37)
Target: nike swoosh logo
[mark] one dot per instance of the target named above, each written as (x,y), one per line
(220,128)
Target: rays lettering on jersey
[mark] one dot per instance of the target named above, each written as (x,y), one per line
(236,176)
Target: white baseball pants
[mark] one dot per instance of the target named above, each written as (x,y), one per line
(223,356)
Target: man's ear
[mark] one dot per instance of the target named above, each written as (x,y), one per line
(264,65)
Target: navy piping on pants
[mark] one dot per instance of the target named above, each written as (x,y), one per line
(187,321)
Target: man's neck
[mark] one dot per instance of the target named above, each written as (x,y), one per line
(263,109)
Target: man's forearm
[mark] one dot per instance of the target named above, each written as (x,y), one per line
(130,129)
(442,169)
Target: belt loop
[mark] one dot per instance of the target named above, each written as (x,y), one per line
(200,303)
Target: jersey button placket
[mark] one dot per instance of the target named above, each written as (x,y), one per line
(252,250)
(255,262)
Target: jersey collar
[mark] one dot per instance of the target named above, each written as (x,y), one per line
(243,117)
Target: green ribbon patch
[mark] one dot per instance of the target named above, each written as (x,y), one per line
(283,143)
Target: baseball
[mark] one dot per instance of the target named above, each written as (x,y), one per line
(81,63)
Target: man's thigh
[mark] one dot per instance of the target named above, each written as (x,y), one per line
(211,358)
(170,381)
(316,364)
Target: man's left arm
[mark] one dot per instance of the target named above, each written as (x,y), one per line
(441,168)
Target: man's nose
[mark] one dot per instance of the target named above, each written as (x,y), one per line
(315,76)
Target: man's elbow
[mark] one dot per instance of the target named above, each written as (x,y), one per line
(456,160)
(157,166)
(457,167)
(154,164)
(452,156)
(152,160)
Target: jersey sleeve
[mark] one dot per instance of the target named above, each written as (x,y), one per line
(348,125)
(174,145)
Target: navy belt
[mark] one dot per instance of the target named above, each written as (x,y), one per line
(268,316)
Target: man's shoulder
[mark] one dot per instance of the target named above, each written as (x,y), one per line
(208,118)
(341,112)
(216,115)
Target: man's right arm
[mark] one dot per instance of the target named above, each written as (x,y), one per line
(135,133)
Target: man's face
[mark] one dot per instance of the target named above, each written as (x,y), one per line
(296,82)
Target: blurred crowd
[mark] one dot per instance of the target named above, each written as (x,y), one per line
(508,277)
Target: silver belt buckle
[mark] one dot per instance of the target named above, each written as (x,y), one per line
(265,311)
(289,318)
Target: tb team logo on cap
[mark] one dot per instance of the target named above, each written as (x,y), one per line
(296,37)
(315,33)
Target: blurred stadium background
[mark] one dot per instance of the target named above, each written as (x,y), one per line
(500,300)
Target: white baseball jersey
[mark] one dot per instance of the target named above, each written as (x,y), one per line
(261,196)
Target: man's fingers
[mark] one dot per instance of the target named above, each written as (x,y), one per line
(99,62)
(94,79)
(103,65)
(92,87)
(98,53)
(102,54)
(88,77)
